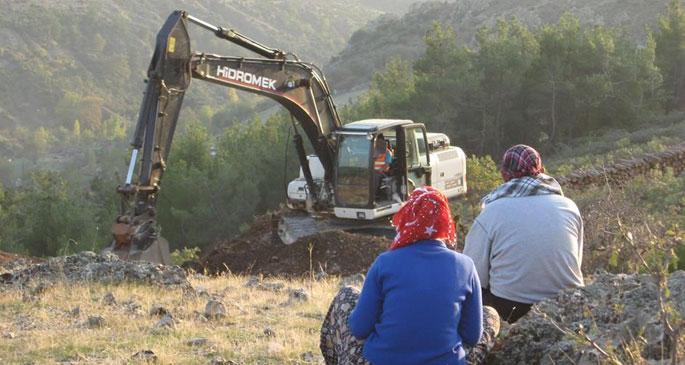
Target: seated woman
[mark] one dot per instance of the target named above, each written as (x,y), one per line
(420,303)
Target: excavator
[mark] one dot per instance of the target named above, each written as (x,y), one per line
(340,185)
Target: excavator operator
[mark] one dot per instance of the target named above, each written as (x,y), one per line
(382,155)
(381,162)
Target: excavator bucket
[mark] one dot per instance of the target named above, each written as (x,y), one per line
(138,242)
(294,226)
(157,252)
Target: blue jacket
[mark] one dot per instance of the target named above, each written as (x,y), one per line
(418,305)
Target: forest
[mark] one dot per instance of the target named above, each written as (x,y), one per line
(547,86)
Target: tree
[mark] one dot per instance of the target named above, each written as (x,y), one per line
(41,142)
(503,61)
(670,54)
(447,85)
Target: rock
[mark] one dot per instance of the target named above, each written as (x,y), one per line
(197,341)
(95,321)
(145,355)
(611,311)
(218,360)
(274,287)
(215,309)
(299,295)
(199,316)
(252,282)
(158,310)
(8,335)
(75,312)
(131,306)
(107,268)
(308,356)
(268,332)
(166,322)
(7,278)
(109,299)
(201,291)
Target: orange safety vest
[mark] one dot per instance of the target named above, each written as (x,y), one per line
(379,164)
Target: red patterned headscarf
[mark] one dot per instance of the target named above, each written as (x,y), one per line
(520,161)
(426,215)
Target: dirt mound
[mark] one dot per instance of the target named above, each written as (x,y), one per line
(258,252)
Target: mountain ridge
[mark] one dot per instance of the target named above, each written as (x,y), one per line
(394,36)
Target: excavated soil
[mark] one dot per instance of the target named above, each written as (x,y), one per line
(257,251)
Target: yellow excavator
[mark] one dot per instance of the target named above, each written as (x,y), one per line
(338,188)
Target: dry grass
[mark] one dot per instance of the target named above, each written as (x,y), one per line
(45,332)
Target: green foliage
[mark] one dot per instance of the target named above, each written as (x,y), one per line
(483,175)
(178,257)
(541,87)
(46,216)
(670,53)
(206,198)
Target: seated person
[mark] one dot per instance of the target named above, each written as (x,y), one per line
(419,286)
(382,159)
(527,242)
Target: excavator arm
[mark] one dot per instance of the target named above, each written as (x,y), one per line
(299,87)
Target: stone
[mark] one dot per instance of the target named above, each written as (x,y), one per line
(215,309)
(201,291)
(131,306)
(273,287)
(89,266)
(145,355)
(109,299)
(308,356)
(96,321)
(197,341)
(75,312)
(158,310)
(252,282)
(300,295)
(268,332)
(8,335)
(166,322)
(218,360)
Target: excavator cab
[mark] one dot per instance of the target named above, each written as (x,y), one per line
(363,189)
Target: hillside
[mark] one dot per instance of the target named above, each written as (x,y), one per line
(62,61)
(393,36)
(391,6)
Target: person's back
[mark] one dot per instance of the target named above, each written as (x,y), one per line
(424,290)
(536,245)
(527,242)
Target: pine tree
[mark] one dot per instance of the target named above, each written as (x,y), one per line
(670,54)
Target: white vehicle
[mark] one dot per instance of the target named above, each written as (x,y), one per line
(420,159)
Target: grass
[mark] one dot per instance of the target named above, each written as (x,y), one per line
(45,332)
